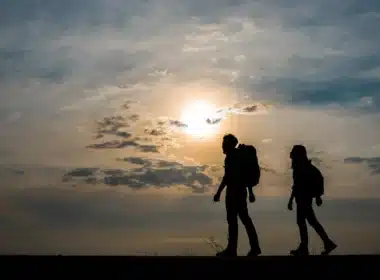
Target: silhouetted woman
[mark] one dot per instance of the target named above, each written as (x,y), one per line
(307,184)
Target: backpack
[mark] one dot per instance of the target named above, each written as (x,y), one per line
(317,182)
(249,165)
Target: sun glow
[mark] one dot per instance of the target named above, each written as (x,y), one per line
(195,117)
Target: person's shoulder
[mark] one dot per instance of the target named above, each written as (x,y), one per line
(232,156)
(227,158)
(236,153)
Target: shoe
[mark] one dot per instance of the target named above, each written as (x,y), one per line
(254,253)
(227,253)
(329,247)
(300,252)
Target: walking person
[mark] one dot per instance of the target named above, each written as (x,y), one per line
(242,172)
(308,183)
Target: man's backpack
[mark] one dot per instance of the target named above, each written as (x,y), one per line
(317,181)
(249,165)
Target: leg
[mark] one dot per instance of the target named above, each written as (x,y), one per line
(232,221)
(301,222)
(250,228)
(313,221)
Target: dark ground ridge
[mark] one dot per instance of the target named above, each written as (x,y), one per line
(321,267)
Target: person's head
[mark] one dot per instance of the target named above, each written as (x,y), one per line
(298,154)
(229,143)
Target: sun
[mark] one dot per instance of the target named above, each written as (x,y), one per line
(195,116)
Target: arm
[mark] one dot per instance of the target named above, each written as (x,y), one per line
(290,203)
(222,186)
(250,190)
(220,189)
(292,195)
(252,197)
(291,198)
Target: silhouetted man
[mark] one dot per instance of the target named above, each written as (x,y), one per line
(307,184)
(236,199)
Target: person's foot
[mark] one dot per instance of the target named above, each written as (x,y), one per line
(227,253)
(254,252)
(329,247)
(300,252)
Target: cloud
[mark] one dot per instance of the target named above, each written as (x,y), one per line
(249,30)
(230,42)
(373,163)
(117,144)
(154,173)
(112,125)
(82,172)
(158,178)
(214,120)
(134,117)
(155,131)
(177,123)
(147,172)
(114,144)
(137,160)
(83,49)
(238,109)
(117,126)
(149,148)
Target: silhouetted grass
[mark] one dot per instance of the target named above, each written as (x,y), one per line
(214,244)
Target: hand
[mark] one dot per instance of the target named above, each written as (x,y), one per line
(290,205)
(252,198)
(318,201)
(217,197)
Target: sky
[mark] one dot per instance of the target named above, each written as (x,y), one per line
(112,114)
